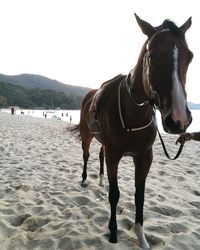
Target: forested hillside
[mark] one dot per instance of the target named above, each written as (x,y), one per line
(14,95)
(42,82)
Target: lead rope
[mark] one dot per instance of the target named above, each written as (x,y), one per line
(165,150)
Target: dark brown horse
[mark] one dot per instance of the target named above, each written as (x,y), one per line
(124,109)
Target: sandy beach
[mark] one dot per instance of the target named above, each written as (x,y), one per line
(43,206)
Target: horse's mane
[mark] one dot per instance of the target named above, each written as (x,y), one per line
(112,80)
(168,24)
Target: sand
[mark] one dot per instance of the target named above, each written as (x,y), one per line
(43,206)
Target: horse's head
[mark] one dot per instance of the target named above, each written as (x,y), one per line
(166,58)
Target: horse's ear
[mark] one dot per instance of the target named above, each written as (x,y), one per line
(186,25)
(146,27)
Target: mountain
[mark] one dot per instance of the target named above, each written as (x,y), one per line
(38,81)
(36,98)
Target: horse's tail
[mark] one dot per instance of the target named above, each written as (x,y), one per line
(75,130)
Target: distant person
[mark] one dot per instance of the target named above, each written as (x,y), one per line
(70,119)
(12,110)
(45,116)
(188,137)
(66,114)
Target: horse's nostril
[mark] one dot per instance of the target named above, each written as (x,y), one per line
(172,126)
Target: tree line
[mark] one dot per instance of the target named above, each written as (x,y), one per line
(14,95)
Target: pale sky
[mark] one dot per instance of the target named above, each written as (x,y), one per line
(86,42)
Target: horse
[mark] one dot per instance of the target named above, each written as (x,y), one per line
(124,108)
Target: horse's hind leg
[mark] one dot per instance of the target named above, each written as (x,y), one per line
(101,159)
(142,165)
(86,154)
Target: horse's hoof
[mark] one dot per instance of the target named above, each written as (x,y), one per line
(101,181)
(141,236)
(101,184)
(84,184)
(113,240)
(144,246)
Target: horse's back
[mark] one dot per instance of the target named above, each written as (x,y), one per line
(94,101)
(98,96)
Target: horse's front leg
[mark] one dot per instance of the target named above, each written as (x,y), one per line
(112,161)
(101,159)
(142,165)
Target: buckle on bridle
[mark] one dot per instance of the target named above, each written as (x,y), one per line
(155,100)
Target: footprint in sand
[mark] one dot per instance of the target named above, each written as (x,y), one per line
(101,220)
(195,204)
(33,223)
(196,192)
(179,178)
(154,240)
(127,224)
(191,172)
(195,213)
(177,228)
(163,173)
(196,235)
(81,200)
(93,176)
(18,221)
(161,198)
(23,187)
(167,211)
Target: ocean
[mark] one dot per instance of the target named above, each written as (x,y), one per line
(73,116)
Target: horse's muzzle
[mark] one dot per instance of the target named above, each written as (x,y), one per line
(175,127)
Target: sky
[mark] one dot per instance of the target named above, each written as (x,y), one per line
(86,42)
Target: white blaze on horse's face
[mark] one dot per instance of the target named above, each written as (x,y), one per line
(179,104)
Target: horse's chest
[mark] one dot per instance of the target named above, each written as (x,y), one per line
(134,141)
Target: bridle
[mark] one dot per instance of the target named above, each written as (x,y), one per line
(120,110)
(153,101)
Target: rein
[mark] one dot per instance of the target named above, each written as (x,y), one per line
(165,150)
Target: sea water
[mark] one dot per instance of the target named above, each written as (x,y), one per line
(73,116)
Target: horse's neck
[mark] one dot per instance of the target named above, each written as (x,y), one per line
(136,84)
(136,94)
(136,81)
